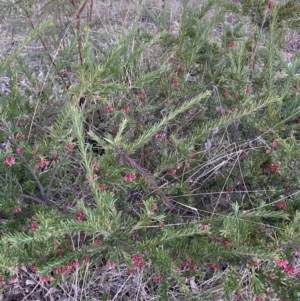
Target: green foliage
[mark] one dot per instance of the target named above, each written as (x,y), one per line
(169,156)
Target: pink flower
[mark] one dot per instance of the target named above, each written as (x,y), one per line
(43,163)
(125,109)
(75,264)
(101,187)
(291,270)
(108,108)
(59,253)
(20,136)
(97,242)
(10,160)
(230,44)
(44,279)
(270,5)
(16,209)
(214,238)
(86,258)
(129,177)
(34,226)
(54,155)
(160,134)
(238,294)
(95,166)
(157,278)
(281,205)
(226,242)
(19,150)
(161,224)
(154,207)
(138,261)
(79,216)
(273,167)
(141,94)
(255,263)
(179,72)
(259,298)
(171,171)
(69,146)
(212,266)
(248,90)
(32,268)
(204,227)
(111,265)
(283,263)
(174,82)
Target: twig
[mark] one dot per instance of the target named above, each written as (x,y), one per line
(53,176)
(36,179)
(125,158)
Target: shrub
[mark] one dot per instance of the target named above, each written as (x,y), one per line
(166,161)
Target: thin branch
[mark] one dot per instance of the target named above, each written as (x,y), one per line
(36,179)
(32,198)
(53,177)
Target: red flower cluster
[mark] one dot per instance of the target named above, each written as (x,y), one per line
(86,258)
(230,44)
(226,242)
(69,146)
(157,278)
(43,163)
(171,171)
(79,216)
(95,166)
(281,204)
(129,177)
(154,207)
(270,5)
(286,267)
(138,261)
(19,150)
(16,209)
(160,134)
(108,108)
(66,269)
(101,187)
(111,265)
(34,226)
(272,167)
(10,161)
(141,94)
(44,279)
(174,82)
(212,266)
(125,109)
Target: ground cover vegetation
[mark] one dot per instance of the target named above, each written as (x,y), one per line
(149,150)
